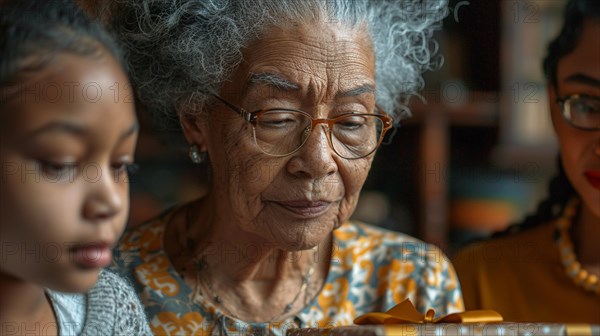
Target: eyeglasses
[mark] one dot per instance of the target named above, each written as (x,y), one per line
(281,132)
(581,111)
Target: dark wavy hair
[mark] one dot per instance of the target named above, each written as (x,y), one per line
(576,11)
(34,32)
(560,190)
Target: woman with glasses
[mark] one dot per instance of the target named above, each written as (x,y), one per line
(548,271)
(287,101)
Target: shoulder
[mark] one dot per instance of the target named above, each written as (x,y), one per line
(113,305)
(355,231)
(145,236)
(112,282)
(390,254)
(493,269)
(137,244)
(403,266)
(516,247)
(395,245)
(541,235)
(70,310)
(109,289)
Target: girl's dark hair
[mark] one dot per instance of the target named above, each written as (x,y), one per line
(566,41)
(33,32)
(560,192)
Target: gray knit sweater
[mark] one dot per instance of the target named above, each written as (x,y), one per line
(113,308)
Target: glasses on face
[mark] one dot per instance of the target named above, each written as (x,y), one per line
(581,111)
(281,132)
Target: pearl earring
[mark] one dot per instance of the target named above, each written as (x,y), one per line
(196,156)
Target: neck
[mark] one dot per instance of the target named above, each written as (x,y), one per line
(243,256)
(261,289)
(585,236)
(21,302)
(254,278)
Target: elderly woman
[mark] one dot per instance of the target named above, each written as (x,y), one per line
(279,97)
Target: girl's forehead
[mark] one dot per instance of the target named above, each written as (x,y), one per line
(72,88)
(60,78)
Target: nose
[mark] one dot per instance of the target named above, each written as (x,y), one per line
(316,157)
(104,199)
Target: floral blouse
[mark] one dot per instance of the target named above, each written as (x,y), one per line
(372,269)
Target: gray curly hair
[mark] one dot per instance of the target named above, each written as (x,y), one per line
(180,50)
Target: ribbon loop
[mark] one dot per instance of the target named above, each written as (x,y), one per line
(429,315)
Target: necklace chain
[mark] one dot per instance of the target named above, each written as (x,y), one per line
(580,276)
(202,266)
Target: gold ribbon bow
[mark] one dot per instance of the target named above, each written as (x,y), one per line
(405,312)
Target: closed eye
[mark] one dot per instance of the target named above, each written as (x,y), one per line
(352,123)
(277,119)
(123,167)
(58,169)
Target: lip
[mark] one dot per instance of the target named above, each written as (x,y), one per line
(92,255)
(593,177)
(305,208)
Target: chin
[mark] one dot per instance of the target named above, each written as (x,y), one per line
(299,246)
(78,281)
(298,243)
(593,204)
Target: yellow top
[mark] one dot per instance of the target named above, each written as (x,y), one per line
(521,277)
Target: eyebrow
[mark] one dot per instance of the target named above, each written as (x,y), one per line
(273,80)
(583,79)
(59,126)
(77,130)
(357,91)
(130,131)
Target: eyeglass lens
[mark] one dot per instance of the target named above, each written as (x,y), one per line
(283,132)
(583,112)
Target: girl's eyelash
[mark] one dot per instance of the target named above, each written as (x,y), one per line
(57,166)
(70,167)
(133,168)
(58,171)
(130,168)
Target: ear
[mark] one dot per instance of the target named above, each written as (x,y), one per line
(195,129)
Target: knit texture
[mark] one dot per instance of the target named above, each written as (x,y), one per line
(114,308)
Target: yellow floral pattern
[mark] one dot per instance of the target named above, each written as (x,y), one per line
(372,269)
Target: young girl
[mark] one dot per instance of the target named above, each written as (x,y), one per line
(68,134)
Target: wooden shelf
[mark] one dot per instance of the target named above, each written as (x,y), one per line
(481,110)
(435,120)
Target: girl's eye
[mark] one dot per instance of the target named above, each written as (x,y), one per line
(129,167)
(58,170)
(583,106)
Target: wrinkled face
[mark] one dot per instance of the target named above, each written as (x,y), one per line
(68,135)
(292,202)
(579,73)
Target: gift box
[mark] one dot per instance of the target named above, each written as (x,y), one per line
(455,329)
(405,320)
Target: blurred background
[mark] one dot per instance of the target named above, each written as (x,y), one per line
(476,156)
